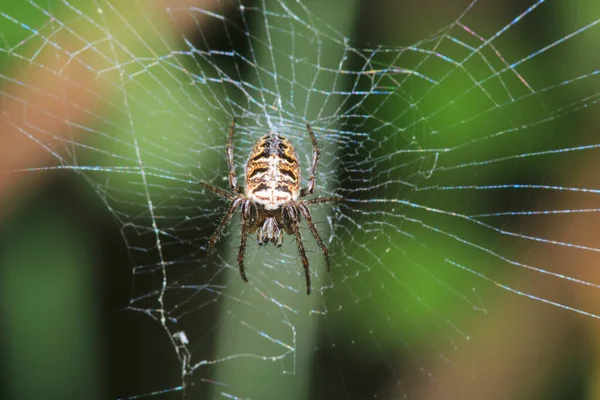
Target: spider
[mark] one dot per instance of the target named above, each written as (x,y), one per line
(270,201)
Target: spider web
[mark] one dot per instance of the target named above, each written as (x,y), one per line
(454,156)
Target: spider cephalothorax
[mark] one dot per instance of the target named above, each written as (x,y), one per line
(270,203)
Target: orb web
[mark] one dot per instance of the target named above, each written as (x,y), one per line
(444,152)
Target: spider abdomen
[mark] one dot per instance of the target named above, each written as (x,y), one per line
(273,172)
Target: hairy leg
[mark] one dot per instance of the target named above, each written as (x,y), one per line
(246,213)
(294,226)
(218,191)
(313,167)
(233,185)
(215,236)
(319,200)
(307,216)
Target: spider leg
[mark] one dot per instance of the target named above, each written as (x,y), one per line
(322,200)
(233,185)
(313,167)
(306,214)
(215,236)
(218,191)
(242,250)
(259,236)
(293,218)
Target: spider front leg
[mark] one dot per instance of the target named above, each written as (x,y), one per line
(230,211)
(246,222)
(218,191)
(306,214)
(320,200)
